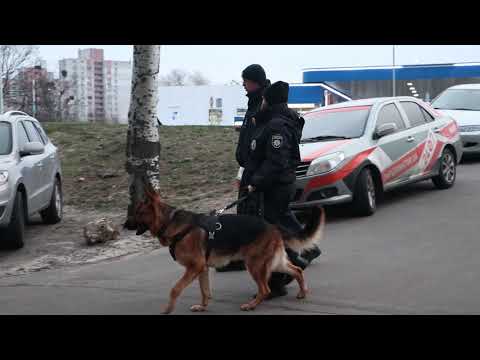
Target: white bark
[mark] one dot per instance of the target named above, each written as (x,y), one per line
(143,143)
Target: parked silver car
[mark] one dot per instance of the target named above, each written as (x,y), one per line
(30,176)
(462,102)
(355,150)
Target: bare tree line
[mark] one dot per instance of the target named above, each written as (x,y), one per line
(179,77)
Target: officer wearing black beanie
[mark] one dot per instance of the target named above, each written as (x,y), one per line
(254,81)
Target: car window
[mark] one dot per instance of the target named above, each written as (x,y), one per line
(414,113)
(5,138)
(347,122)
(22,136)
(390,114)
(458,99)
(32,132)
(428,117)
(41,132)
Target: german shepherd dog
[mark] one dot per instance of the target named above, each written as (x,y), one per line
(261,245)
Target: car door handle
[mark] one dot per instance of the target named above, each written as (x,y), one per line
(410,139)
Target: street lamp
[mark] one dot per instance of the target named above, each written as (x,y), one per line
(1,96)
(393,71)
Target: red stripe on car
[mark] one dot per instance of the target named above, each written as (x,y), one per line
(342,109)
(450,130)
(340,174)
(405,163)
(436,153)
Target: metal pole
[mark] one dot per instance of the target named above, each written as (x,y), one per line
(34,102)
(393,72)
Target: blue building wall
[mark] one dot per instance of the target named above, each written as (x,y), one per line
(306,94)
(410,72)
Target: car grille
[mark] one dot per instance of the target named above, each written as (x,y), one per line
(469,128)
(302,169)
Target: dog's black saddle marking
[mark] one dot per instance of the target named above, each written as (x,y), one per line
(226,233)
(211,224)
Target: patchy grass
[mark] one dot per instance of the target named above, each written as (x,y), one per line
(197,164)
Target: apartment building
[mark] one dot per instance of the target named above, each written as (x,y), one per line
(101,88)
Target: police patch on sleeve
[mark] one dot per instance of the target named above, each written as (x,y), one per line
(277,141)
(253,145)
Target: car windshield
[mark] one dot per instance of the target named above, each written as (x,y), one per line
(458,99)
(5,138)
(340,123)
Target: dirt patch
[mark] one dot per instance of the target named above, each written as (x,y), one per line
(63,245)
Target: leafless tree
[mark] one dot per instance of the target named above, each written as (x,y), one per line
(176,77)
(14,57)
(197,78)
(179,77)
(143,141)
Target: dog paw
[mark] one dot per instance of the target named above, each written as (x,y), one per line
(247,307)
(167,310)
(301,295)
(197,308)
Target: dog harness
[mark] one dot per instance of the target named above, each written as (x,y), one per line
(210,224)
(227,233)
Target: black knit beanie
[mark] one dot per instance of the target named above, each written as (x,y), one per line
(255,73)
(277,93)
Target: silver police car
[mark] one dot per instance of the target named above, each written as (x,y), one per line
(30,176)
(355,150)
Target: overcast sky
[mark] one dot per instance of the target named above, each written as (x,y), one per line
(222,63)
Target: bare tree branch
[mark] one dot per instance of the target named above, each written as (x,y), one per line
(13,58)
(178,77)
(197,78)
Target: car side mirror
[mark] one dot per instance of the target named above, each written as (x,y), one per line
(385,129)
(32,148)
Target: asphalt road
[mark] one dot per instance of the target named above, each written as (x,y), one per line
(419,254)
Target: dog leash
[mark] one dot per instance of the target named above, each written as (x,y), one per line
(229,206)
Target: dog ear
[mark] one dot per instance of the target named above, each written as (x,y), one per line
(150,191)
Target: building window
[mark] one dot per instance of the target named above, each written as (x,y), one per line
(219,103)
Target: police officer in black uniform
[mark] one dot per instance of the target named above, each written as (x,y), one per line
(270,169)
(254,81)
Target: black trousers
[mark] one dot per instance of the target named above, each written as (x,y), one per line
(276,201)
(272,205)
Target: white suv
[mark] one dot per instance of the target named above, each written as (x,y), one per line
(30,176)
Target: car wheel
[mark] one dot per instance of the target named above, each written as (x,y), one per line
(53,214)
(16,229)
(365,194)
(447,172)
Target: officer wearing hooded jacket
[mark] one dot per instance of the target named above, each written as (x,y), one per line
(270,169)
(254,81)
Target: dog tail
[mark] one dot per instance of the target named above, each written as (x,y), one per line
(311,234)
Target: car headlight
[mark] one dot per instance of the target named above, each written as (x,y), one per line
(325,163)
(3,177)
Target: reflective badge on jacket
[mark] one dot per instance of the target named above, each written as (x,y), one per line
(253,145)
(277,141)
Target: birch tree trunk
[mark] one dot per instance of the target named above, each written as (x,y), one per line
(143,142)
